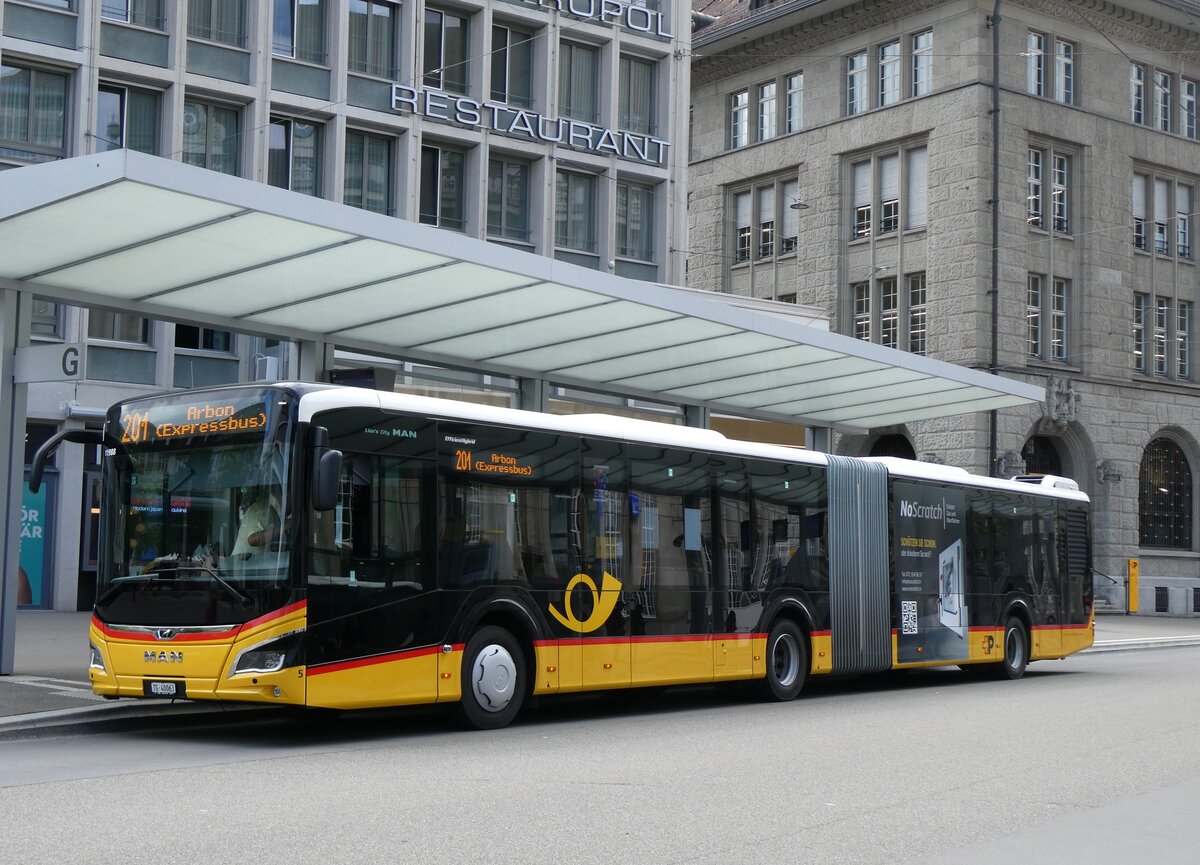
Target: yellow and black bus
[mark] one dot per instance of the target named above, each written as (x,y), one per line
(339,547)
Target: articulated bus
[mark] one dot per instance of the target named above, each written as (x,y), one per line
(336,547)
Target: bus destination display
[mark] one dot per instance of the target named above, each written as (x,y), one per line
(168,422)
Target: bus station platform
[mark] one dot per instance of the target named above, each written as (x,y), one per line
(49,694)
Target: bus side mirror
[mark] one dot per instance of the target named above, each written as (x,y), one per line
(79,436)
(326,471)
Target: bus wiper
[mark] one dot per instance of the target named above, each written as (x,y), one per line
(244,600)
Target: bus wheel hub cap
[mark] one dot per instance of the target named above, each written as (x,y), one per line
(494,677)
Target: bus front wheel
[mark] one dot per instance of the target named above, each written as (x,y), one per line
(1016,649)
(493,679)
(787,661)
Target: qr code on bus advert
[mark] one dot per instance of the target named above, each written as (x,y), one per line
(908,617)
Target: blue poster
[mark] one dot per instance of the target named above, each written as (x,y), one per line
(31,582)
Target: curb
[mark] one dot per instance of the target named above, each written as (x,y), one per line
(115,717)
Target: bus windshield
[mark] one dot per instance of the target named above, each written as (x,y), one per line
(198,525)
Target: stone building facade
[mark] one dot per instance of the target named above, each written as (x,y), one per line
(842,156)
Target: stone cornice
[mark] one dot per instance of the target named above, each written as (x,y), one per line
(1105,19)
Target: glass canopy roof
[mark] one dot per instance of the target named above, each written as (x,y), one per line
(132,232)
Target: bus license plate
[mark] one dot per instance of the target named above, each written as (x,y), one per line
(164,689)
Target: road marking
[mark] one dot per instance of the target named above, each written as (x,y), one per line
(59,687)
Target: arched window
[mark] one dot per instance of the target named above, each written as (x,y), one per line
(894,445)
(1041,456)
(1165,497)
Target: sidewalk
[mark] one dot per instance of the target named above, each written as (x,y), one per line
(49,687)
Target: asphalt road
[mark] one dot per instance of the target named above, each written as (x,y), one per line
(1091,759)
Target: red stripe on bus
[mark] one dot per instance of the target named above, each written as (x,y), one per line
(275,614)
(149,637)
(338,666)
(645,639)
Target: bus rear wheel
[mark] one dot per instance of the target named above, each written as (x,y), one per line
(493,679)
(1016,649)
(787,661)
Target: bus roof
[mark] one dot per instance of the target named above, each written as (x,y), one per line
(319,398)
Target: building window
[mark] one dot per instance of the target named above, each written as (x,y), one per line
(892,184)
(636,106)
(862,310)
(739,119)
(1060,190)
(512,66)
(221,21)
(1064,72)
(922,63)
(210,136)
(1172,350)
(33,114)
(1058,194)
(1183,220)
(45,318)
(1165,497)
(1046,318)
(742,227)
(917,316)
(508,200)
(790,211)
(1141,304)
(766,111)
(1059,297)
(889,74)
(861,182)
(1033,316)
(445,51)
(1035,69)
(1137,93)
(294,155)
(1187,108)
(578,72)
(443,177)
(372,47)
(1162,101)
(765,220)
(890,312)
(1033,211)
(889,193)
(1162,318)
(1162,206)
(203,338)
(298,30)
(575,211)
(368,172)
(145,13)
(1041,456)
(118,326)
(127,117)
(1183,340)
(635,221)
(1138,195)
(795,102)
(857,100)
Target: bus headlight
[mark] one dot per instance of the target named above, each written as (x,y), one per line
(269,657)
(96,662)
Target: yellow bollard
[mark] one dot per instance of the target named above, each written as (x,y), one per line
(1131,600)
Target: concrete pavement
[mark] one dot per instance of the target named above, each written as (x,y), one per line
(49,688)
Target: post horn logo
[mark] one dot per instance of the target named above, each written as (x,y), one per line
(604,601)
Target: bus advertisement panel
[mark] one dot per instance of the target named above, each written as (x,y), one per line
(929,523)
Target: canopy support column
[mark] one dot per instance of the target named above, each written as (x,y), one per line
(14,332)
(310,360)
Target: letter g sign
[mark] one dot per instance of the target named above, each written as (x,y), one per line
(70,361)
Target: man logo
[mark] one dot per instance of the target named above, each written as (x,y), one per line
(166,633)
(152,657)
